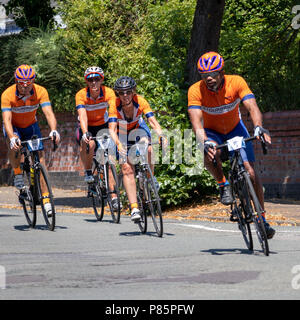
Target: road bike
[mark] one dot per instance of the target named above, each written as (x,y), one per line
(104,189)
(33,172)
(147,193)
(245,208)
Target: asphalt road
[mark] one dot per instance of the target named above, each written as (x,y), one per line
(195,260)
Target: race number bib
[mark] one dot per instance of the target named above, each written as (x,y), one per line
(236,143)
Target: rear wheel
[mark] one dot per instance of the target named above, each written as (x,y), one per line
(46,200)
(27,201)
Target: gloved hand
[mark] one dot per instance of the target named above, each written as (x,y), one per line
(57,135)
(15,143)
(258,131)
(86,137)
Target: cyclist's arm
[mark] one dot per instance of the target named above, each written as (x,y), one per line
(50,117)
(255,114)
(7,117)
(155,125)
(83,120)
(196,119)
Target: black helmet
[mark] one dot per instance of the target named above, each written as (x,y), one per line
(124,83)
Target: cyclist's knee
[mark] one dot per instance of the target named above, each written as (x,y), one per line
(127,169)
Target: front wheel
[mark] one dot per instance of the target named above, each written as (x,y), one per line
(255,209)
(27,201)
(113,192)
(45,196)
(153,201)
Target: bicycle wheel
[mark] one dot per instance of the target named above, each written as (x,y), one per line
(115,213)
(153,201)
(26,199)
(97,201)
(256,210)
(40,173)
(241,199)
(142,223)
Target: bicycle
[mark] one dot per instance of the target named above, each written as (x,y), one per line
(245,208)
(31,195)
(147,193)
(101,189)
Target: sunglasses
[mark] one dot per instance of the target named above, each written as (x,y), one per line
(210,74)
(96,79)
(122,93)
(24,82)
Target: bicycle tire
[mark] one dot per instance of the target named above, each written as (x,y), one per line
(257,218)
(49,219)
(142,223)
(98,203)
(240,195)
(27,201)
(115,214)
(153,201)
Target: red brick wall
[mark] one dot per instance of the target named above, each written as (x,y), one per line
(279,169)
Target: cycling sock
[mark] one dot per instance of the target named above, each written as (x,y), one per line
(17,171)
(134,205)
(224,182)
(45,196)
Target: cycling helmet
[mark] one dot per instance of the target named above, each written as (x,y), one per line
(210,62)
(24,72)
(91,72)
(124,83)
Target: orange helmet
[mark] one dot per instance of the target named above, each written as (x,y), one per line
(24,72)
(210,62)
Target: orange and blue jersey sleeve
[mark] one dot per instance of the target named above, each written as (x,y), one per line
(6,101)
(113,112)
(80,99)
(194,96)
(244,91)
(145,107)
(43,96)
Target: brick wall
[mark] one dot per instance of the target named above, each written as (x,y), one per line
(279,169)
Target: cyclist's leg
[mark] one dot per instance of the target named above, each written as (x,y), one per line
(86,158)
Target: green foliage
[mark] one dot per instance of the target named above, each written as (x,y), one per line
(258,42)
(31,13)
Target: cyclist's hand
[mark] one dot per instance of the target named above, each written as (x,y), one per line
(15,143)
(86,137)
(210,149)
(258,131)
(57,136)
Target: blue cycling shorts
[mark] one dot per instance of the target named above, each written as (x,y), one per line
(240,130)
(27,133)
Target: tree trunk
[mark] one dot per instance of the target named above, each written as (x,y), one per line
(205,34)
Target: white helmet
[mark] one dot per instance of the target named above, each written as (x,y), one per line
(93,72)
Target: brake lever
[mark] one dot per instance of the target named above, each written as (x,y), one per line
(54,141)
(263,144)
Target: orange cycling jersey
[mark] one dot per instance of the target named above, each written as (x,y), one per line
(97,110)
(220,109)
(24,108)
(141,106)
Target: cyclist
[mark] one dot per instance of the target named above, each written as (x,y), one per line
(92,103)
(213,108)
(19,104)
(126,120)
